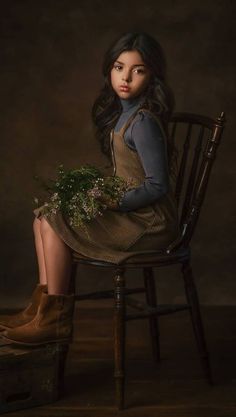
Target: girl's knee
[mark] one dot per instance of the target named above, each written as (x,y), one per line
(45,227)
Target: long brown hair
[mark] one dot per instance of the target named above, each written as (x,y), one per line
(159,97)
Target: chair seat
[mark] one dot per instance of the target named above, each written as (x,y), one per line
(152,258)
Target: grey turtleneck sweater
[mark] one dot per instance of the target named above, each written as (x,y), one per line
(145,137)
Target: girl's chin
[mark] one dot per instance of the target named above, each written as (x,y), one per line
(126,94)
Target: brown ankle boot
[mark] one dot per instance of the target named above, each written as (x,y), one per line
(52,323)
(10,321)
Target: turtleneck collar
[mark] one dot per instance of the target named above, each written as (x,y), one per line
(128,104)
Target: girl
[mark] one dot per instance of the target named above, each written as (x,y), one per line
(130,115)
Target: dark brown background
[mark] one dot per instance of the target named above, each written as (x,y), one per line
(51,54)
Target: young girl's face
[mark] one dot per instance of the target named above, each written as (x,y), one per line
(129,75)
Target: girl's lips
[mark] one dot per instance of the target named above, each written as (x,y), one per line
(123,88)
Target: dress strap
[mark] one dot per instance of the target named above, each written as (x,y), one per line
(155,116)
(127,123)
(158,120)
(139,110)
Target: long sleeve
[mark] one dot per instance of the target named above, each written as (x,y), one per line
(147,139)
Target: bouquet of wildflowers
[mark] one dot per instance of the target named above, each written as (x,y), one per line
(83,194)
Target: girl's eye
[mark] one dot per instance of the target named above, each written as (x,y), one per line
(139,71)
(136,70)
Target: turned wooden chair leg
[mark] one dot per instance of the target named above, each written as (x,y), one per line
(119,336)
(150,286)
(192,298)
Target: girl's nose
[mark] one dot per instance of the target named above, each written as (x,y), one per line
(126,76)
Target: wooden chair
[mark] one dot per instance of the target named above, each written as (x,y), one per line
(199,137)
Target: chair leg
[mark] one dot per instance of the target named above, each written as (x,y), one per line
(119,336)
(192,298)
(150,286)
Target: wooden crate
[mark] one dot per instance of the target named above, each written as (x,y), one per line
(30,376)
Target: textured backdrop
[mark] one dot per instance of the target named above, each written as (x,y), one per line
(51,55)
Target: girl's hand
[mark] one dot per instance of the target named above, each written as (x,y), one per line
(111,204)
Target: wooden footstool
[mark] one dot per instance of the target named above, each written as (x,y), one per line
(30,376)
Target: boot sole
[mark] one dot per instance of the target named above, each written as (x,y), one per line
(39,343)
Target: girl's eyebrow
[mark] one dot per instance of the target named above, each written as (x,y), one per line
(136,65)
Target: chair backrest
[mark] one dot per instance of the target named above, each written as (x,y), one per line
(196,138)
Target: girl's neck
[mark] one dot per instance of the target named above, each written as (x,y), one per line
(130,103)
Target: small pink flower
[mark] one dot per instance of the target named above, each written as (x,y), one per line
(94,192)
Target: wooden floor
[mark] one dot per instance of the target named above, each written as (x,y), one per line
(174,388)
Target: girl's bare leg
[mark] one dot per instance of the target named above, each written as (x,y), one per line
(57,259)
(39,251)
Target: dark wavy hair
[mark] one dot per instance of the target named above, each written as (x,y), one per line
(158,96)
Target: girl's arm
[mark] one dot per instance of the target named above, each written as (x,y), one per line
(148,140)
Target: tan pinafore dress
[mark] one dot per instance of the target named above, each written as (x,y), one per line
(117,235)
